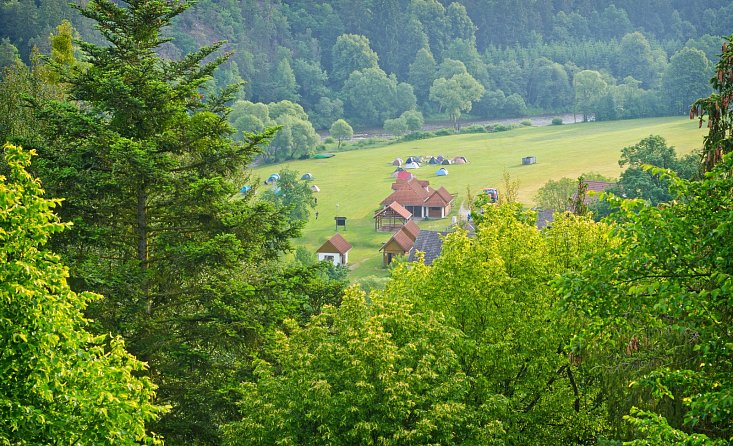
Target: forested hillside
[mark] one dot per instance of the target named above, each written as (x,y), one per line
(372,61)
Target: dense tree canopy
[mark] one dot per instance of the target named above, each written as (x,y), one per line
(305,51)
(148,169)
(61,384)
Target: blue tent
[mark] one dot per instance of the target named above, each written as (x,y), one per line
(441,172)
(273,178)
(245,189)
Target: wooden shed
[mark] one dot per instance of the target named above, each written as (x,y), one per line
(391,217)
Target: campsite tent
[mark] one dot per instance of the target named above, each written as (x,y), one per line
(412,165)
(315,188)
(272,178)
(433,160)
(440,158)
(404,175)
(441,172)
(245,189)
(397,162)
(445,162)
(460,160)
(307,176)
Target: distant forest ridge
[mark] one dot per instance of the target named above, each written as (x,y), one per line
(369,62)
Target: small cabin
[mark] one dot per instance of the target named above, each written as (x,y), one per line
(335,250)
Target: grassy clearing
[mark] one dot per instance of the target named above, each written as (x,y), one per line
(353,183)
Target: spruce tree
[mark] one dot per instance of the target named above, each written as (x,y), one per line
(149,171)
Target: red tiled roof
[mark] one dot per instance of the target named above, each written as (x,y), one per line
(397,209)
(405,198)
(598,186)
(444,194)
(436,200)
(402,239)
(418,193)
(335,244)
(411,229)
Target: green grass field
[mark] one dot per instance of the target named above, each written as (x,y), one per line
(353,183)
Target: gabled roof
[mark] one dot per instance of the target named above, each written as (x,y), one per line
(416,192)
(410,183)
(444,194)
(402,239)
(430,243)
(397,209)
(335,244)
(411,229)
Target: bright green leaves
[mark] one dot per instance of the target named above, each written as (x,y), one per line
(656,305)
(362,373)
(60,384)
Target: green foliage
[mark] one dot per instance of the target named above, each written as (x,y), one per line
(341,130)
(657,304)
(351,53)
(376,373)
(456,94)
(397,127)
(589,87)
(556,121)
(413,119)
(639,181)
(292,195)
(370,96)
(295,137)
(61,384)
(149,173)
(686,79)
(637,59)
(717,108)
(493,289)
(422,74)
(8,53)
(556,195)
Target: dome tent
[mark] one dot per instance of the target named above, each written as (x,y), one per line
(441,172)
(307,176)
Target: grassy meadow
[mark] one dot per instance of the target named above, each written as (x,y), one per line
(353,183)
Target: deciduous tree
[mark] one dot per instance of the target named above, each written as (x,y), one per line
(341,130)
(350,53)
(61,384)
(456,95)
(686,79)
(589,87)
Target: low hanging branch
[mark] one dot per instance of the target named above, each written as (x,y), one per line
(717,108)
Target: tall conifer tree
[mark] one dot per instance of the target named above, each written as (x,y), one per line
(148,168)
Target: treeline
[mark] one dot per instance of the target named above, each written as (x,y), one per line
(370,61)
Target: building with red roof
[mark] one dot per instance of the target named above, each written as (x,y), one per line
(336,250)
(420,199)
